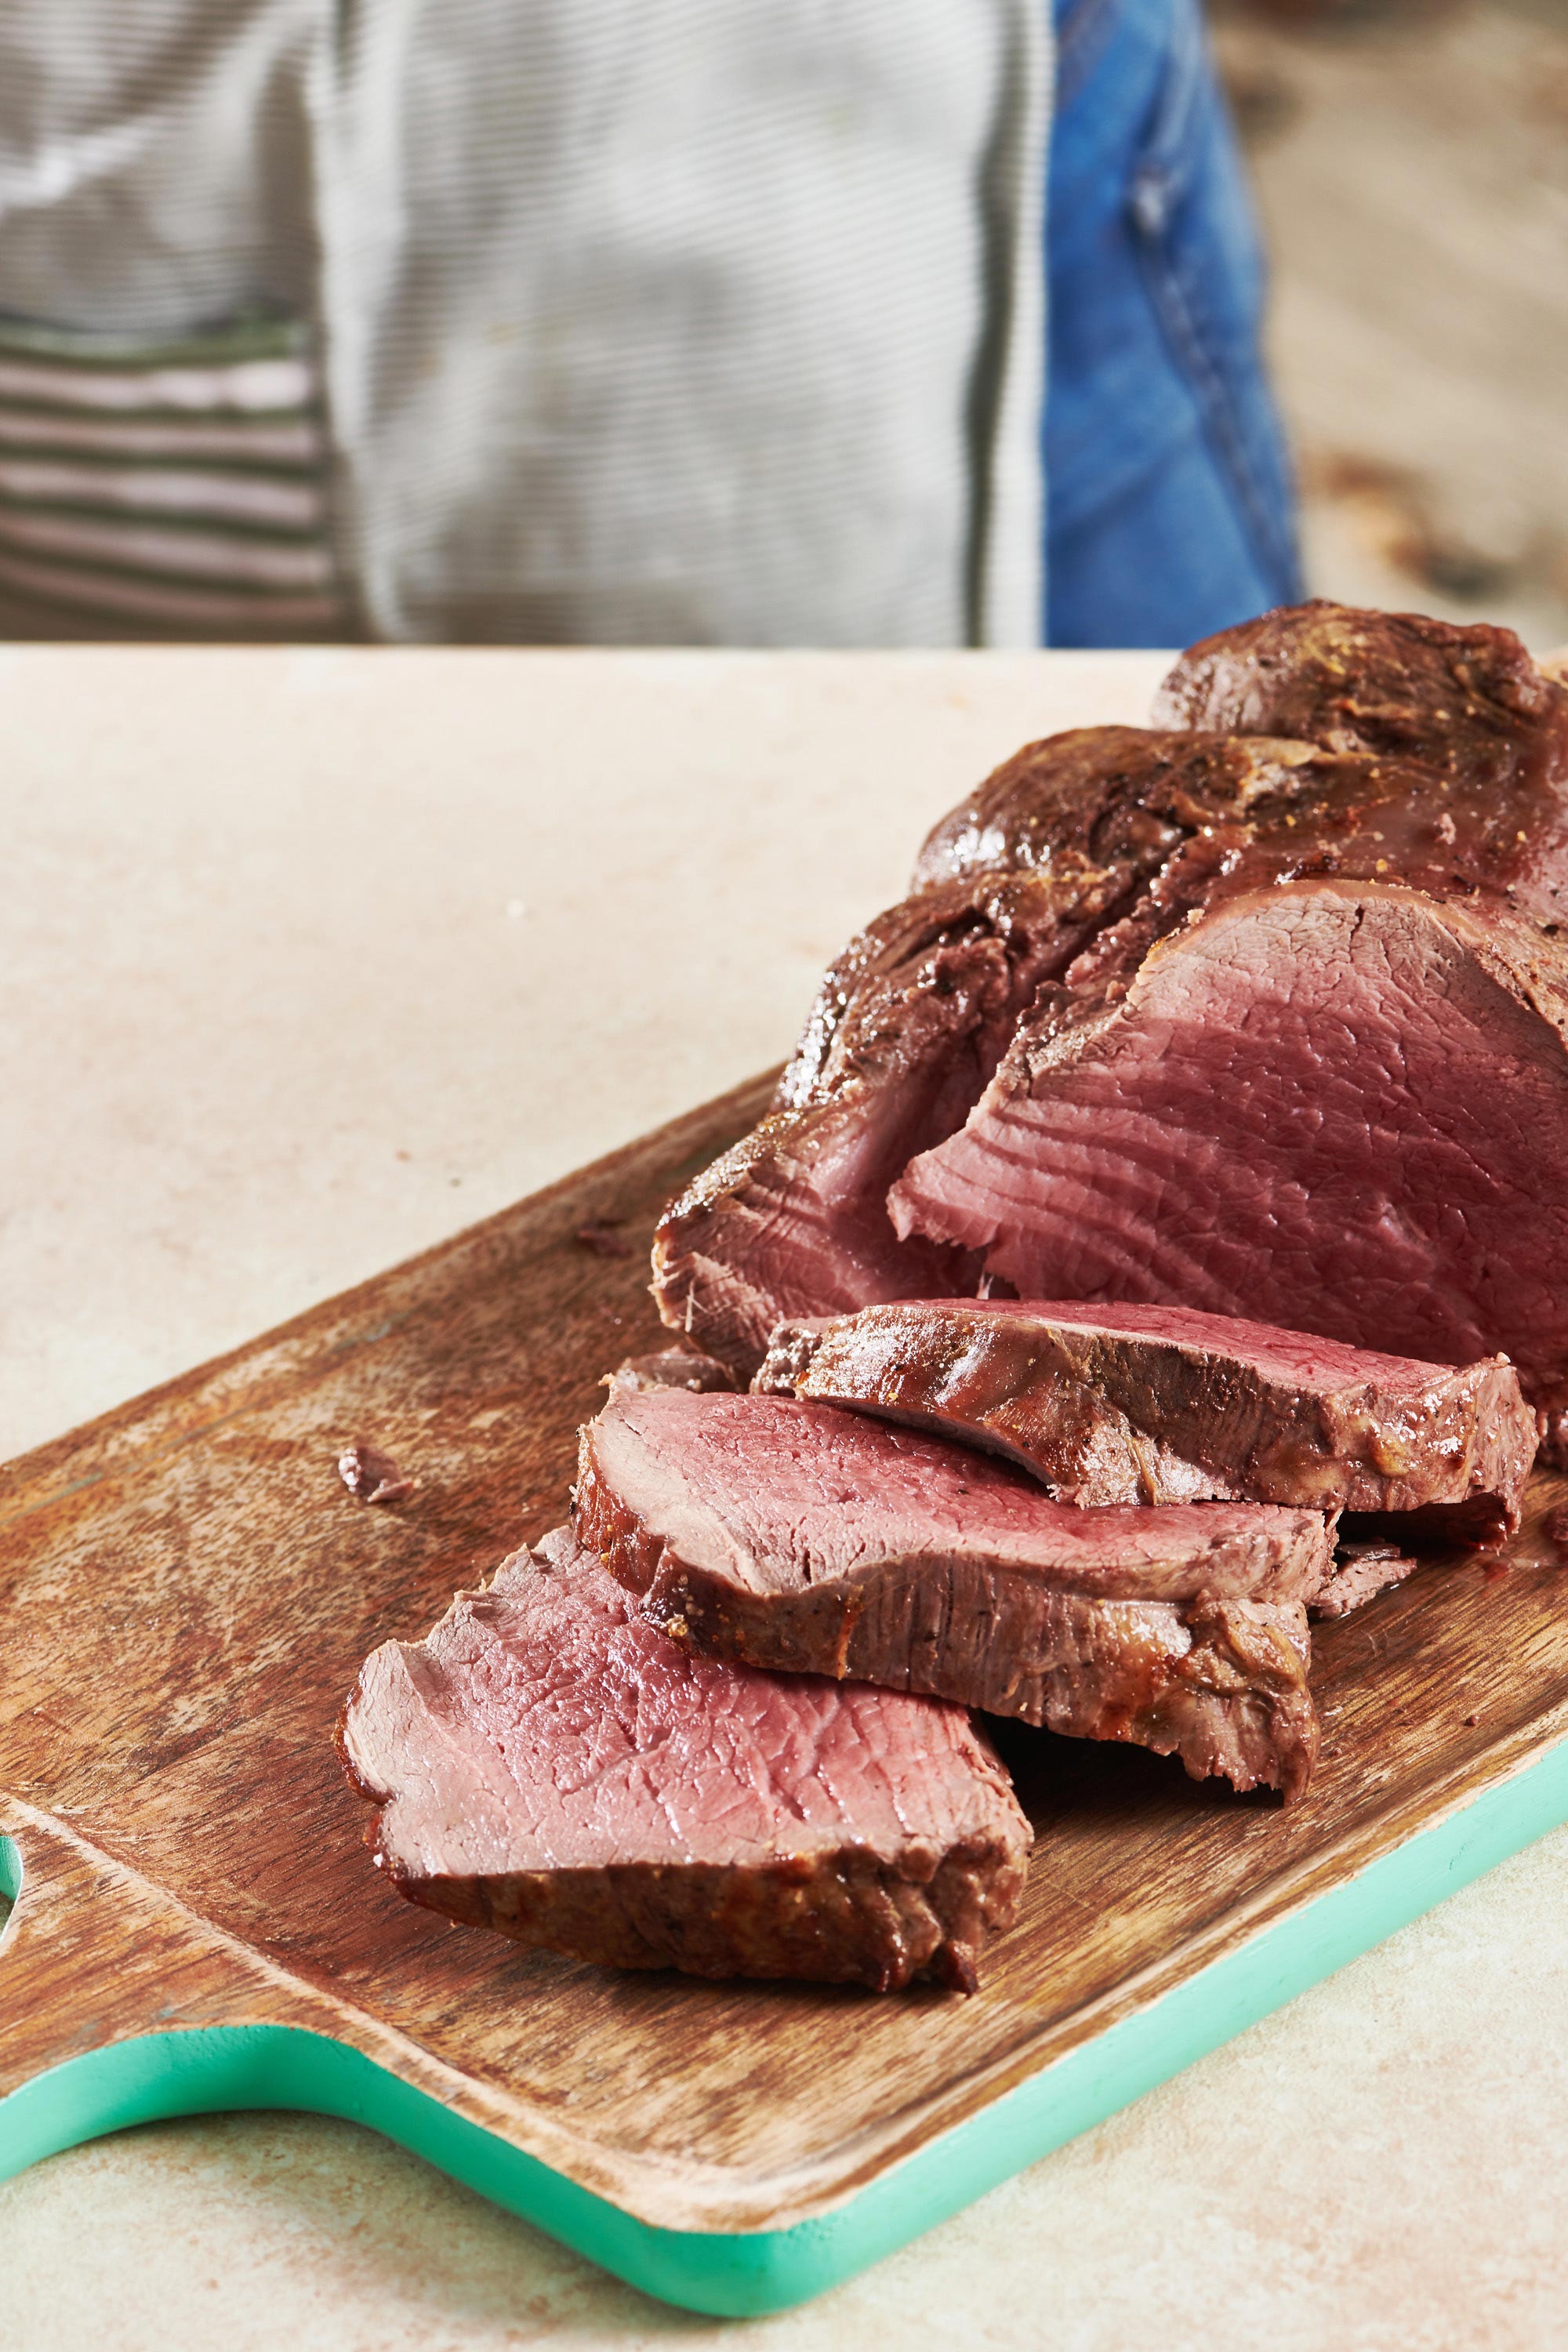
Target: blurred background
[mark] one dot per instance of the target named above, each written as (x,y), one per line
(1410,164)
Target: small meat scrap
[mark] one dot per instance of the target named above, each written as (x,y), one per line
(670,1368)
(1554,1527)
(1361,1570)
(372,1476)
(600,1236)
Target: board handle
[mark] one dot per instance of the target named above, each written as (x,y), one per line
(91,1955)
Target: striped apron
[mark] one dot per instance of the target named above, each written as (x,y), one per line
(631,321)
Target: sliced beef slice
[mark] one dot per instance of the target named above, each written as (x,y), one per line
(1336,1107)
(907,1027)
(549,1764)
(802,1537)
(1160,1404)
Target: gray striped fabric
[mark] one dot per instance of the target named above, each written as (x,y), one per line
(179,483)
(635,321)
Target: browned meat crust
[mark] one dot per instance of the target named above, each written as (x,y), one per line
(1468,701)
(907,1027)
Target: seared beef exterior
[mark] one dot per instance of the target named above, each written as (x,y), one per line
(907,1028)
(549,1764)
(1147,806)
(1325,1106)
(1160,1405)
(1116,799)
(1467,702)
(1464,707)
(798,1537)
(1369,745)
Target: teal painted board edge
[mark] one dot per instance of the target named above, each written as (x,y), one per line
(744,2274)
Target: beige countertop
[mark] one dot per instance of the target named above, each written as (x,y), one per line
(308,958)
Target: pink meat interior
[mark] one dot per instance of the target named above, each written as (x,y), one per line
(1321,1107)
(545,1724)
(782,1494)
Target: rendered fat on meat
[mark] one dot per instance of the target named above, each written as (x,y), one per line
(1333,1107)
(908,1026)
(549,1764)
(671,1368)
(1160,1404)
(807,1538)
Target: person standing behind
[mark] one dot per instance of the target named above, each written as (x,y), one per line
(689,322)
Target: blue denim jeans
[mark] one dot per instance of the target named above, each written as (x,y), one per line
(1170,508)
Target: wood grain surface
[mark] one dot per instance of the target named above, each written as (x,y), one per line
(186,1592)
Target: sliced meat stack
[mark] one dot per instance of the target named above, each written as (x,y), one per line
(550,1764)
(1160,1405)
(802,1537)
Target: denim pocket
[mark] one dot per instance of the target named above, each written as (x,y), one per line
(1190,218)
(1169,497)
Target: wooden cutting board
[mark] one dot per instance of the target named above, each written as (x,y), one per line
(185,1594)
